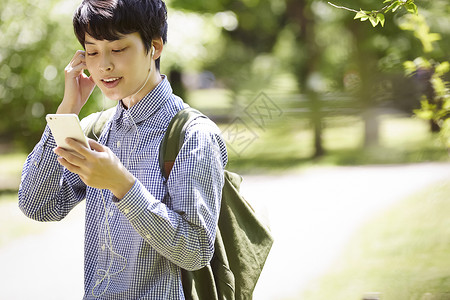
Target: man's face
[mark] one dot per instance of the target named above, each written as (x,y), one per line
(119,68)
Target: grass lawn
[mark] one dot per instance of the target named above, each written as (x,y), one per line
(14,224)
(286,141)
(288,144)
(10,170)
(11,163)
(402,254)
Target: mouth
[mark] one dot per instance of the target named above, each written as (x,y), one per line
(111,82)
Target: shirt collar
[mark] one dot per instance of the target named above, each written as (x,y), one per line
(148,105)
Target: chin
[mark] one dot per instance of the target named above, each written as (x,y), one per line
(112,96)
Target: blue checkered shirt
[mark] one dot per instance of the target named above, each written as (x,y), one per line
(134,248)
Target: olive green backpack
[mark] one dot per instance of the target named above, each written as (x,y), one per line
(242,242)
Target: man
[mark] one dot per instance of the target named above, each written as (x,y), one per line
(140,228)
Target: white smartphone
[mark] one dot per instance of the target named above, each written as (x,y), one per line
(66,126)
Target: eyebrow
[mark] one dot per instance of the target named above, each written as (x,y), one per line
(110,41)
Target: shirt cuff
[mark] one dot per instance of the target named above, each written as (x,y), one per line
(135,201)
(47,142)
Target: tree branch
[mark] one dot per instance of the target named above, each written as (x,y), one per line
(342,7)
(352,10)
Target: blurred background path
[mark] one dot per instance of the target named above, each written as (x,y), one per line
(312,213)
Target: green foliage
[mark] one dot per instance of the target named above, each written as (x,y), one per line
(436,105)
(421,29)
(37,43)
(373,16)
(396,4)
(240,58)
(377,16)
(248,45)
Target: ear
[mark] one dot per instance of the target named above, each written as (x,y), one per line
(159,45)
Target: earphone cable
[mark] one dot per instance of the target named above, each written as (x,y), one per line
(106,274)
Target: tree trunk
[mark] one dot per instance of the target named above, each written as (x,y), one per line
(371,128)
(299,12)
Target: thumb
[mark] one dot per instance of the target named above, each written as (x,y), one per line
(89,79)
(96,146)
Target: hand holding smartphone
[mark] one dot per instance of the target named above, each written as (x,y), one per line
(66,126)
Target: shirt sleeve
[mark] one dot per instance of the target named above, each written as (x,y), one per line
(184,233)
(47,190)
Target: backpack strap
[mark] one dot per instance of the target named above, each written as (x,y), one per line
(94,123)
(174,137)
(200,284)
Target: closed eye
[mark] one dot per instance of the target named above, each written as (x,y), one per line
(91,53)
(119,50)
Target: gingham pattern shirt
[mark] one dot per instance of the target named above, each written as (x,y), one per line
(158,226)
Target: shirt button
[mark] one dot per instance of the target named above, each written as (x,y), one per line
(35,163)
(118,144)
(126,211)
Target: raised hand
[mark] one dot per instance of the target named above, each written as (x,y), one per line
(78,86)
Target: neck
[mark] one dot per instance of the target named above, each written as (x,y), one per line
(151,82)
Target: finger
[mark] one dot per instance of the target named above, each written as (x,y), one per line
(74,71)
(76,67)
(78,147)
(87,79)
(62,152)
(96,146)
(79,54)
(72,168)
(79,59)
(70,156)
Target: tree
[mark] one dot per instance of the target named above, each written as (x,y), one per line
(322,48)
(427,74)
(37,42)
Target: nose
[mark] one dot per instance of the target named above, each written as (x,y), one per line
(106,64)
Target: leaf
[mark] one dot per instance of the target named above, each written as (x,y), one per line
(446,106)
(380,18)
(423,62)
(389,7)
(397,6)
(433,37)
(426,110)
(411,7)
(410,67)
(443,68)
(360,14)
(386,1)
(426,115)
(373,20)
(438,85)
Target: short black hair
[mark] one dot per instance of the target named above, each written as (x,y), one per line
(110,19)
